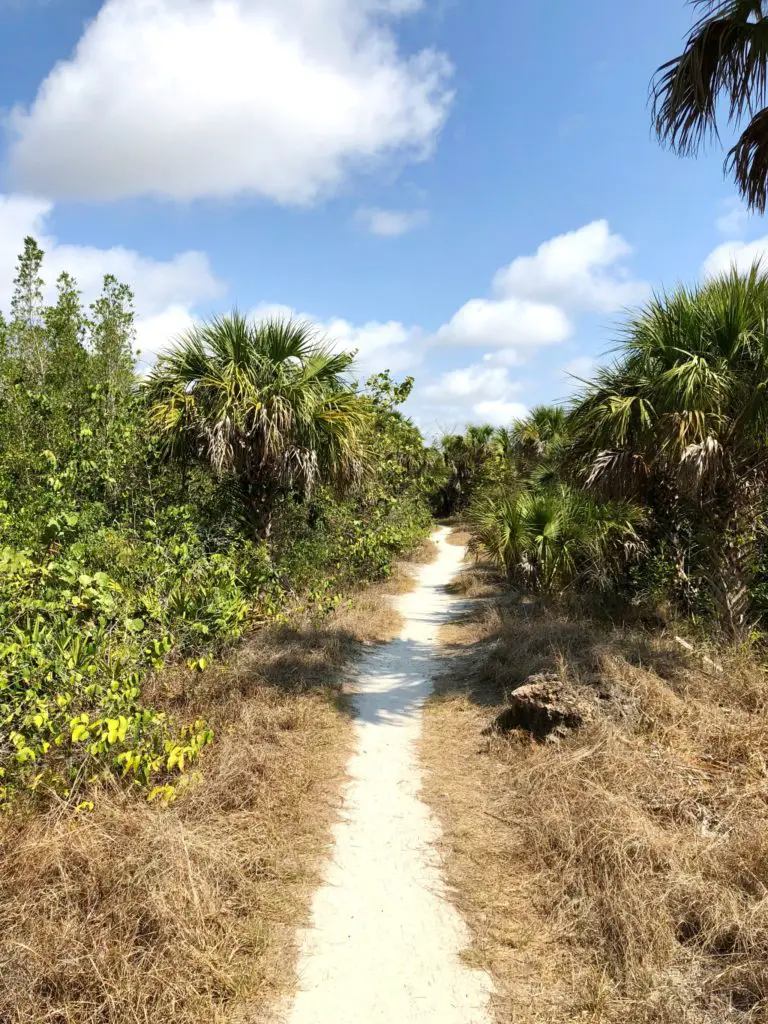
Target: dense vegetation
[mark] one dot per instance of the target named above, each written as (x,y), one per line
(153,521)
(651,488)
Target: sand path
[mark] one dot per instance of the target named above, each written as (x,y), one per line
(384,944)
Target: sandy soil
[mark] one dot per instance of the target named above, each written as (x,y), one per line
(385,942)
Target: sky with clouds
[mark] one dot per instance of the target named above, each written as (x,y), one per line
(467,191)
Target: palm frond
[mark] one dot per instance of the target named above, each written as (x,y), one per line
(748,162)
(726,54)
(267,402)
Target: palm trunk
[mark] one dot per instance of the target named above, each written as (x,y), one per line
(260,499)
(734,544)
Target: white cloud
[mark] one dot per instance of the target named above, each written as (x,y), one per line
(736,254)
(499,413)
(733,219)
(159,331)
(391,223)
(391,346)
(505,323)
(580,367)
(166,291)
(535,297)
(478,393)
(471,382)
(192,98)
(579,270)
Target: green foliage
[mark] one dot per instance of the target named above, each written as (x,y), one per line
(264,403)
(676,426)
(121,554)
(470,460)
(681,422)
(547,539)
(720,75)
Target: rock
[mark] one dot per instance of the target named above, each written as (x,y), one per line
(545,707)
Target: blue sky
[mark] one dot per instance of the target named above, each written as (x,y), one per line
(465,191)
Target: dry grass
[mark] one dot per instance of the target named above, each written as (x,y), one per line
(476,581)
(139,914)
(459,536)
(621,875)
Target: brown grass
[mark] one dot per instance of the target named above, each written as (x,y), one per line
(621,875)
(459,536)
(138,913)
(476,581)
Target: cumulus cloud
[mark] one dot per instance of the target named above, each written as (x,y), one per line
(166,291)
(477,393)
(510,323)
(391,223)
(741,255)
(579,270)
(536,297)
(499,413)
(214,98)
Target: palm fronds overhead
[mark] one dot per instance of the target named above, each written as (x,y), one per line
(725,59)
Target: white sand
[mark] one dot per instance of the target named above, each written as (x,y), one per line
(385,941)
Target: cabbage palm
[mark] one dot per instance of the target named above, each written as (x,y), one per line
(549,538)
(725,57)
(467,457)
(537,439)
(503,446)
(263,402)
(684,414)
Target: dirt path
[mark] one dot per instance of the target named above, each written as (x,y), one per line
(384,945)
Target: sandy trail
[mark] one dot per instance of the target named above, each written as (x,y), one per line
(384,942)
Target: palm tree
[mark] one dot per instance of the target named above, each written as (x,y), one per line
(725,56)
(263,402)
(681,419)
(538,439)
(549,538)
(503,446)
(466,457)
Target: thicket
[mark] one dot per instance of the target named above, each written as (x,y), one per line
(650,489)
(130,533)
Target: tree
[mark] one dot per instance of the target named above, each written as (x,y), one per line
(112,335)
(68,375)
(681,421)
(265,403)
(725,57)
(26,330)
(467,458)
(538,439)
(396,444)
